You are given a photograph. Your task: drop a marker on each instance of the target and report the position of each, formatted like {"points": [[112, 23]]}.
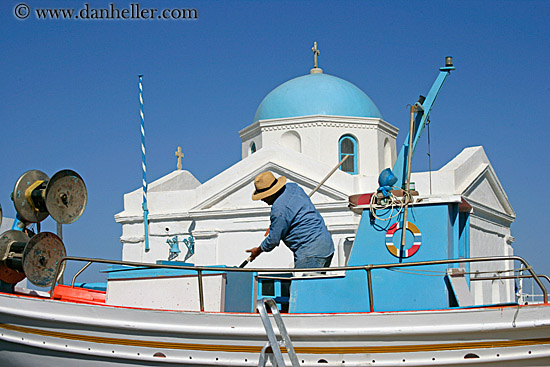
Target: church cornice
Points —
{"points": [[292, 123], [484, 212], [240, 213]]}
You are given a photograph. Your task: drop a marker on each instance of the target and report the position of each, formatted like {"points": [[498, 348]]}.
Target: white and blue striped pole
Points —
{"points": [[143, 166]]}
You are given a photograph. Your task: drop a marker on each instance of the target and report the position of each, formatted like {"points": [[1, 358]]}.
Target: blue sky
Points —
{"points": [[69, 96]]}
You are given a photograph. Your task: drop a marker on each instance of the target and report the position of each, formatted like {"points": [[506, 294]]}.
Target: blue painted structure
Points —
{"points": [[444, 236], [316, 94], [424, 109]]}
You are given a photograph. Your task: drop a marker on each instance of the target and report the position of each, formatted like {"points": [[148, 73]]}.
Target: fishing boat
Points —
{"points": [[405, 297]]}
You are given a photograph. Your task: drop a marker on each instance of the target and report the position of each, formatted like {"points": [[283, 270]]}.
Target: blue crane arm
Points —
{"points": [[400, 167]]}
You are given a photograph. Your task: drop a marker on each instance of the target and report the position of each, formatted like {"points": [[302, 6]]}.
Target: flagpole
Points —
{"points": [[143, 166]]}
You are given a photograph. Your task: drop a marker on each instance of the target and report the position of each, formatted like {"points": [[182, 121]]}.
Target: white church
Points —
{"points": [[301, 130]]}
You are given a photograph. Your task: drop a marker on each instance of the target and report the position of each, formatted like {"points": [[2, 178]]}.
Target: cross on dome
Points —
{"points": [[316, 52]]}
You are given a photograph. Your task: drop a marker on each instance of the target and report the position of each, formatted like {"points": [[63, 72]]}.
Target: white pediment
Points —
{"points": [[474, 178], [175, 181], [240, 195], [233, 188], [483, 192], [487, 191]]}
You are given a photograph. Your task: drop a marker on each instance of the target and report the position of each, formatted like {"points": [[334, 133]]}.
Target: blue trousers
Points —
{"points": [[313, 262]]}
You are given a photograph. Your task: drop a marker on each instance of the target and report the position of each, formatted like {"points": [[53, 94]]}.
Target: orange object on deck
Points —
{"points": [[78, 295]]}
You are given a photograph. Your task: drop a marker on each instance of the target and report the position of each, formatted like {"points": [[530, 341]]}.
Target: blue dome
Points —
{"points": [[316, 94]]}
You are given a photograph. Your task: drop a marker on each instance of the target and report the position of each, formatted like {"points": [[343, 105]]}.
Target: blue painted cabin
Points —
{"points": [[443, 233]]}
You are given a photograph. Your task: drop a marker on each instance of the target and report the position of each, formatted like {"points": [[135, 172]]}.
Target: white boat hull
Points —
{"points": [[39, 332]]}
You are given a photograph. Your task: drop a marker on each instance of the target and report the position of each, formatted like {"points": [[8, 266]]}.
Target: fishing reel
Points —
{"points": [[35, 258], [36, 196]]}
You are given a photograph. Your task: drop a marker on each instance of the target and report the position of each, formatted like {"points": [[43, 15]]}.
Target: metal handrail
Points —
{"points": [[511, 277], [368, 268]]}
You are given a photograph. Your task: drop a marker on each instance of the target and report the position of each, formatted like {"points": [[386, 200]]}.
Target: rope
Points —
{"points": [[429, 155], [438, 273], [393, 202], [497, 271]]}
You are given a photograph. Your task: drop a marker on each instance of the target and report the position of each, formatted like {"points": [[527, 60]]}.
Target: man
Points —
{"points": [[295, 221]]}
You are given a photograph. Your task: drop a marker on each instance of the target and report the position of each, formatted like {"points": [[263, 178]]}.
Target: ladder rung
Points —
{"points": [[277, 356]]}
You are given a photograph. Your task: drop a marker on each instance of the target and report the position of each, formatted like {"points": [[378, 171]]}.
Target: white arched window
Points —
{"points": [[387, 154], [292, 140], [347, 145]]}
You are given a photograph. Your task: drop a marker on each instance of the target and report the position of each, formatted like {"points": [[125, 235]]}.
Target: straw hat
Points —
{"points": [[266, 185]]}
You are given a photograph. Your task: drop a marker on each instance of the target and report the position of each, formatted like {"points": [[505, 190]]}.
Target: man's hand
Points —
{"points": [[254, 252]]}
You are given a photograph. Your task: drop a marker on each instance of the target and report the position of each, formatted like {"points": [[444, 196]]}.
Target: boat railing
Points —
{"points": [[200, 270]]}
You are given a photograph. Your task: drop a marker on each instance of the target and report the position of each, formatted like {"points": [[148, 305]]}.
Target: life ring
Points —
{"points": [[403, 253]]}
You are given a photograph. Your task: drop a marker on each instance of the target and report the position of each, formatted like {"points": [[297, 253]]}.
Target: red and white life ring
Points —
{"points": [[403, 253]]}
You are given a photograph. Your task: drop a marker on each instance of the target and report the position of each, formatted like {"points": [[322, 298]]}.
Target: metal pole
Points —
{"points": [[201, 292], [327, 176], [369, 280], [80, 272], [60, 230], [143, 167], [407, 183]]}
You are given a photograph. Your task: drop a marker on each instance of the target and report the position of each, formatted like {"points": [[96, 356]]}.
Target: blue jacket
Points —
{"points": [[296, 222]]}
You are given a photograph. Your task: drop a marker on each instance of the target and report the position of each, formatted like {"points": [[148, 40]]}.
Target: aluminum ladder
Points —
{"points": [[276, 356]]}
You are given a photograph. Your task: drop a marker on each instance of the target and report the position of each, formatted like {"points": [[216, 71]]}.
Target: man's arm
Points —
{"points": [[277, 229]]}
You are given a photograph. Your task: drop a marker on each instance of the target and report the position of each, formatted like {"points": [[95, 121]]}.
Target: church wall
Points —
{"points": [[388, 159], [470, 175], [488, 238], [247, 145], [250, 134], [292, 140], [318, 137], [222, 236], [132, 251], [387, 149], [321, 144]]}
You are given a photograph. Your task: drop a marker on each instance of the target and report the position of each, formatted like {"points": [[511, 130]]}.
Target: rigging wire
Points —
{"points": [[429, 155]]}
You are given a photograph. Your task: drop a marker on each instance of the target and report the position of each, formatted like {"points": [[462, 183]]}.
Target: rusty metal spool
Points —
{"points": [[35, 258], [28, 197], [12, 246], [41, 256], [36, 196], [66, 196]]}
